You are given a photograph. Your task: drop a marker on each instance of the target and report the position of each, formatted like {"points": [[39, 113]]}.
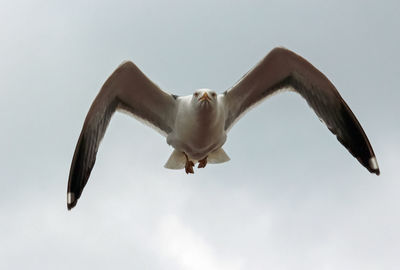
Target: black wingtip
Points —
{"points": [[71, 205], [71, 200], [373, 166], [375, 171]]}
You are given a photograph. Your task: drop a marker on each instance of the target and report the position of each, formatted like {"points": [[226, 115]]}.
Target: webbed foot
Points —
{"points": [[189, 165], [202, 163]]}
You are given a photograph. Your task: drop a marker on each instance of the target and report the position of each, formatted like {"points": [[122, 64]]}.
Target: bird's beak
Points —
{"points": [[205, 97]]}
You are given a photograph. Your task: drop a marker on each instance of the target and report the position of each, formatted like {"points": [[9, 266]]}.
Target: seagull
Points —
{"points": [[196, 125]]}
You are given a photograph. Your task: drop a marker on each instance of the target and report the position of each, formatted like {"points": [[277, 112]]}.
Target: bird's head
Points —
{"points": [[204, 99]]}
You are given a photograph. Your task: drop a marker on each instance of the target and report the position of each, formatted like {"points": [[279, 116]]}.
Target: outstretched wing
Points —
{"points": [[281, 69], [127, 89]]}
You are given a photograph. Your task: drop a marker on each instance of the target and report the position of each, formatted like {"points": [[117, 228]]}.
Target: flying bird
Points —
{"points": [[196, 125]]}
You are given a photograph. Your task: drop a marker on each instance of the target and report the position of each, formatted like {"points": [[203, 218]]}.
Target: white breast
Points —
{"points": [[197, 132]]}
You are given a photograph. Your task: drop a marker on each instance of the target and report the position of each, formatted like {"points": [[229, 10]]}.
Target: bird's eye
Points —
{"points": [[213, 94], [196, 94]]}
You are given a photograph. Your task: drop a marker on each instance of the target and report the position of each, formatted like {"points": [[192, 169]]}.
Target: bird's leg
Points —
{"points": [[189, 165], [202, 162]]}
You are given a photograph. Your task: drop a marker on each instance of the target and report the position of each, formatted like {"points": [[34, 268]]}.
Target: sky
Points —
{"points": [[291, 197]]}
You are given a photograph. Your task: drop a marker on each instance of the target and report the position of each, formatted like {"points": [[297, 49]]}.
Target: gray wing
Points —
{"points": [[281, 69], [127, 89]]}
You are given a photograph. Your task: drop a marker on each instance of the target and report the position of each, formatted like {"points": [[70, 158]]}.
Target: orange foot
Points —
{"points": [[189, 165], [202, 163]]}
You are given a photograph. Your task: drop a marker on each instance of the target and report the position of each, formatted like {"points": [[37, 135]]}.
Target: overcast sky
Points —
{"points": [[291, 197]]}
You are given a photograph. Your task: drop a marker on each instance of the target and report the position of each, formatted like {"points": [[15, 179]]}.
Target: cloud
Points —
{"points": [[290, 198], [179, 242]]}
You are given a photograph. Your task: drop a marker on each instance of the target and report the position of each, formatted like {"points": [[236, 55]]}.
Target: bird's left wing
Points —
{"points": [[281, 69], [127, 89]]}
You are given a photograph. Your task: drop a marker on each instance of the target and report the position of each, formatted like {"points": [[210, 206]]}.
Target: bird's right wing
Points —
{"points": [[127, 89]]}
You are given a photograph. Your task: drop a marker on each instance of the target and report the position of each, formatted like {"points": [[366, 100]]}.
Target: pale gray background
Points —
{"points": [[291, 197]]}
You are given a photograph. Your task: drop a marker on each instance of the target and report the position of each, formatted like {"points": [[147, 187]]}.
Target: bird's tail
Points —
{"points": [[176, 161], [218, 156]]}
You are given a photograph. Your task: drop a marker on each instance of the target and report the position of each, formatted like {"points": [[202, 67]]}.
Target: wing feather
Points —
{"points": [[127, 89], [282, 69]]}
